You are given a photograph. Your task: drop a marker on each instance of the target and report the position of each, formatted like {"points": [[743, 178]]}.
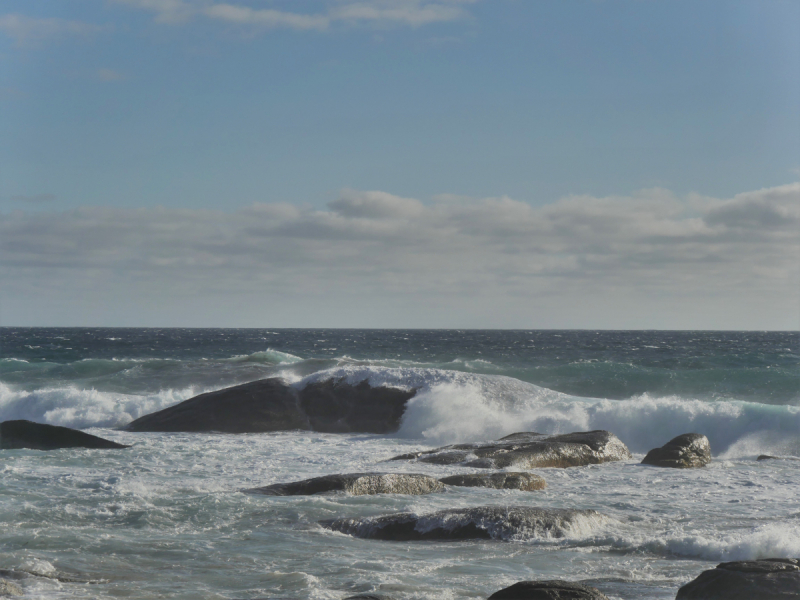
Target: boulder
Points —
{"points": [[548, 590], [687, 451], [369, 597], [486, 522], [9, 589], [356, 484], [527, 482], [529, 450], [38, 436], [767, 579], [331, 406]]}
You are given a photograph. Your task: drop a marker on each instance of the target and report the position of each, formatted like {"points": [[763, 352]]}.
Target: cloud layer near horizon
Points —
{"points": [[374, 248]]}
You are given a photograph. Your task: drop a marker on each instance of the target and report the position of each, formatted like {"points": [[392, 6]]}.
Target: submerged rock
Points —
{"points": [[527, 482], [548, 590], [9, 589], [767, 579], [486, 522], [687, 451], [38, 436], [528, 450], [770, 457], [331, 406], [357, 484]]}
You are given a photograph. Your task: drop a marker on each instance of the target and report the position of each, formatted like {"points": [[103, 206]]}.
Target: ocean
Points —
{"points": [[167, 518]]}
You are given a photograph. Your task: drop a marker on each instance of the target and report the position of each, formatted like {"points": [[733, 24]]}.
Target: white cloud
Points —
{"points": [[412, 13], [27, 30]]}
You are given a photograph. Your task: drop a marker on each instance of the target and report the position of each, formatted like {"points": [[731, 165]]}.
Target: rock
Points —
{"points": [[9, 589], [369, 597], [548, 590], [527, 482], [356, 484], [530, 450], [770, 457], [486, 522], [331, 406], [687, 451], [38, 436], [767, 579]]}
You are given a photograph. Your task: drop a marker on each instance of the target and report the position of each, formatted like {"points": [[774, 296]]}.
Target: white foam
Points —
{"points": [[78, 408]]}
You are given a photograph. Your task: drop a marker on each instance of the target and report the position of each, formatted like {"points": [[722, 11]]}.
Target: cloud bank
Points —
{"points": [[596, 261], [412, 13]]}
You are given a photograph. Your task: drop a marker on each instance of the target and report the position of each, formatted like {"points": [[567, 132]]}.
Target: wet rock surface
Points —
{"points": [[770, 457], [8, 588], [486, 522], [356, 484], [548, 590], [526, 482], [331, 406], [21, 434], [528, 450], [687, 451], [767, 579]]}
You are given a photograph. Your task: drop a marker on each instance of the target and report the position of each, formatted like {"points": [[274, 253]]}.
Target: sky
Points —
{"points": [[600, 164]]}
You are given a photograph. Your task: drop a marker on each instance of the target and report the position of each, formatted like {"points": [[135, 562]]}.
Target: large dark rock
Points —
{"points": [[530, 450], [486, 522], [687, 451], [38, 436], [768, 579], [527, 482], [357, 484], [331, 406], [548, 590]]}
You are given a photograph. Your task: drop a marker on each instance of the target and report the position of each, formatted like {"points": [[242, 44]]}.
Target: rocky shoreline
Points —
{"points": [[335, 406]]}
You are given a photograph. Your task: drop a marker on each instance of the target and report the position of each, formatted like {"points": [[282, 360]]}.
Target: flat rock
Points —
{"points": [[21, 434], [9, 589], [548, 590], [527, 482], [767, 579], [331, 406], [687, 451], [770, 457], [529, 450], [356, 484], [486, 522]]}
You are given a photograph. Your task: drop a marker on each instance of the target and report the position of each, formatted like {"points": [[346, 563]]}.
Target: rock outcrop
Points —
{"points": [[9, 589], [687, 451], [356, 484], [768, 579], [331, 406], [486, 522], [527, 482], [38, 436], [529, 450], [548, 590]]}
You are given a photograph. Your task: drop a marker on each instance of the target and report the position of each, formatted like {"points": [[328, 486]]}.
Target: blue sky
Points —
{"points": [[212, 107]]}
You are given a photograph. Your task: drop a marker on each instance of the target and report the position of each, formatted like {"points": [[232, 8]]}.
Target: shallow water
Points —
{"points": [[165, 518]]}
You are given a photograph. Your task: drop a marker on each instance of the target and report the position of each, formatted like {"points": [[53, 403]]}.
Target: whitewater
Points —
{"points": [[167, 518]]}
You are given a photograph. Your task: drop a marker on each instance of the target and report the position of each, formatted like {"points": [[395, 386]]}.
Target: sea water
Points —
{"points": [[166, 517]]}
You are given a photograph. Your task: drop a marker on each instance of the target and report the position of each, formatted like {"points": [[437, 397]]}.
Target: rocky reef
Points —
{"points": [[485, 522], [356, 484], [687, 451], [330, 406], [528, 450], [38, 436], [767, 579]]}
